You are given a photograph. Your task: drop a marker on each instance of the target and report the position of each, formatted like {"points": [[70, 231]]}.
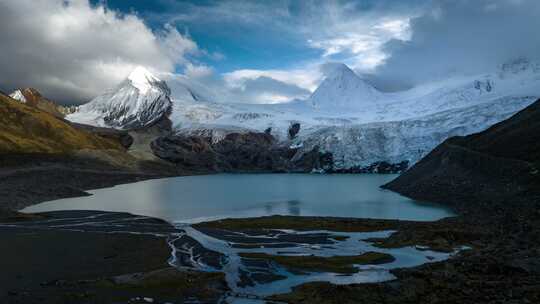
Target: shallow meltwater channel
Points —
{"points": [[249, 272], [192, 199], [262, 262]]}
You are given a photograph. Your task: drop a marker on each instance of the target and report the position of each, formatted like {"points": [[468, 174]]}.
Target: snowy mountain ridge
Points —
{"points": [[357, 123]]}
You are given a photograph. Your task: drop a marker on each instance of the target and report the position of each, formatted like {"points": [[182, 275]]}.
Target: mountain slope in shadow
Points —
{"points": [[501, 163]]}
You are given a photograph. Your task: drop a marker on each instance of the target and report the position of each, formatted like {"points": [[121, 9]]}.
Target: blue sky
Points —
{"points": [[266, 35], [235, 44]]}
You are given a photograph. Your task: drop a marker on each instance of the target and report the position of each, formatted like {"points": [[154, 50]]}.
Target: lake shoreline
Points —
{"points": [[27, 180], [186, 199], [471, 227]]}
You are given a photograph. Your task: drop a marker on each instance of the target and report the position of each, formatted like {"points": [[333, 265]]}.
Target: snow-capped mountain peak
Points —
{"points": [[342, 88], [341, 70], [143, 79], [138, 101]]}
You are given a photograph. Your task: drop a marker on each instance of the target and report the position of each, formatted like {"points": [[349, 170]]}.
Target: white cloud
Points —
{"points": [[307, 78], [72, 51], [464, 36], [253, 88], [176, 45], [265, 89], [350, 31], [360, 42], [272, 98], [198, 71]]}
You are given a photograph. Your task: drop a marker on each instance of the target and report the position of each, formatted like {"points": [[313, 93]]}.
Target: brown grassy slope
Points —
{"points": [[25, 129]]}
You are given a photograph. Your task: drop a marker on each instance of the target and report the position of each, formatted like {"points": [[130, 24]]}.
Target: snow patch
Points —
{"points": [[18, 95]]}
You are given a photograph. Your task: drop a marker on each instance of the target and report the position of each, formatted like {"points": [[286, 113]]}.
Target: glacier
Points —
{"points": [[345, 115]]}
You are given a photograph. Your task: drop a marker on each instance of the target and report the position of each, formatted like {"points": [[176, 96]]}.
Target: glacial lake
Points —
{"points": [[191, 199]]}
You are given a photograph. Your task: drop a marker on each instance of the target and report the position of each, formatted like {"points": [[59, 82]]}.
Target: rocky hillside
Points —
{"points": [[497, 164], [25, 129], [31, 97], [238, 152]]}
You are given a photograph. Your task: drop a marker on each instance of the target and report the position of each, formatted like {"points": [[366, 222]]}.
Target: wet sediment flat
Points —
{"points": [[94, 257], [90, 256]]}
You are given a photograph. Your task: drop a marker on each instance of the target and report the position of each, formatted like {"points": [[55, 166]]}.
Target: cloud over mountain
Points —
{"points": [[466, 37], [71, 50]]}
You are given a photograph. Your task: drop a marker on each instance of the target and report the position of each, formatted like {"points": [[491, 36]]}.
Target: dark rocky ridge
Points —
{"points": [[377, 167], [500, 163], [238, 152], [253, 152], [121, 136]]}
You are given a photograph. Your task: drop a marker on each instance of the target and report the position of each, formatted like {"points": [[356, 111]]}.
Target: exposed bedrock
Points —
{"points": [[121, 136], [293, 130], [377, 167], [239, 152]]}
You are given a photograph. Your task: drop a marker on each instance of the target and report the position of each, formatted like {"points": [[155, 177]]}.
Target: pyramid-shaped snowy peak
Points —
{"points": [[140, 100], [343, 89]]}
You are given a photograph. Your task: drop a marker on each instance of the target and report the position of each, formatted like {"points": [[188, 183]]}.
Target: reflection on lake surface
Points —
{"points": [[196, 198]]}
